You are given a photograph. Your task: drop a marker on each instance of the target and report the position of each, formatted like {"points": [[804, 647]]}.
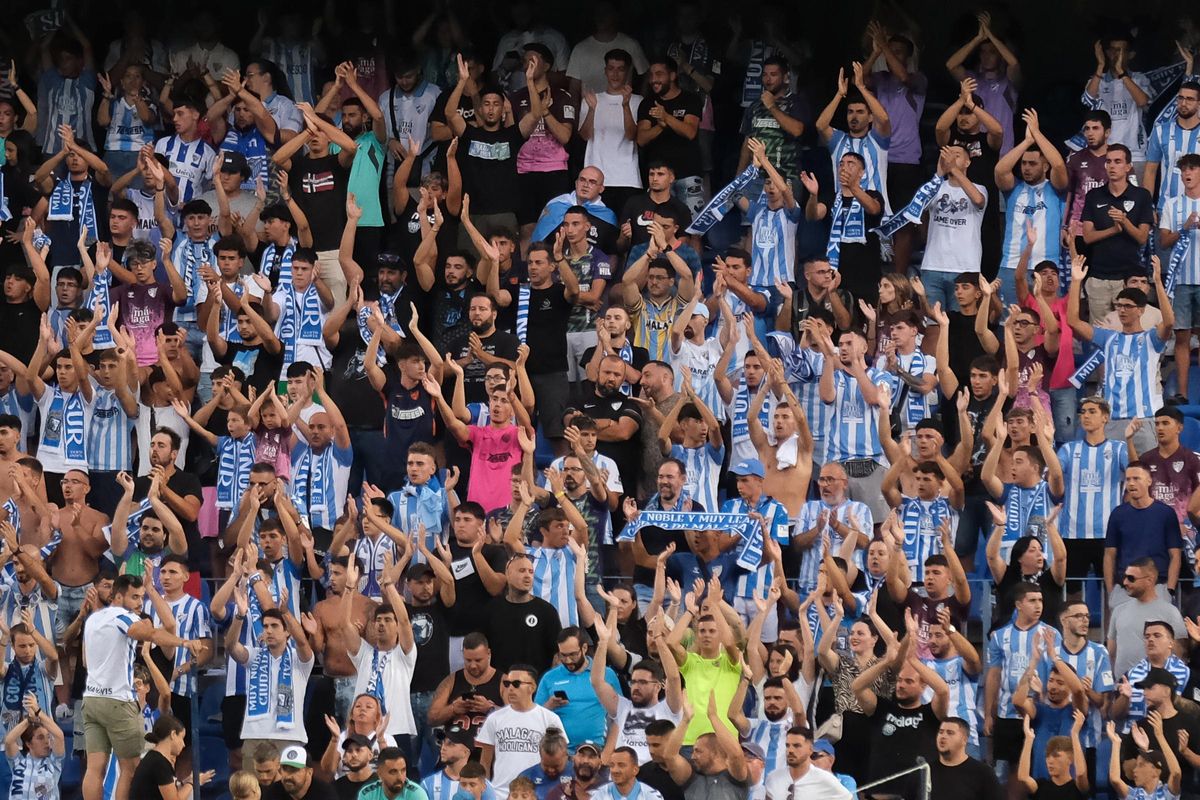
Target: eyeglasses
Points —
{"points": [[1080, 615], [640, 682], [1124, 306], [71, 481], [1022, 323], [512, 684]]}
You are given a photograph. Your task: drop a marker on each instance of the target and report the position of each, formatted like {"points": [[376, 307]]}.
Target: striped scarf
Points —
{"points": [[1026, 512], [300, 323], [69, 413], [374, 687], [1159, 79], [14, 512], [234, 459], [280, 273], [918, 522], [101, 284], [913, 400], [912, 212], [1176, 262], [188, 257], [849, 225], [1093, 362], [63, 200], [312, 475], [259, 690]]}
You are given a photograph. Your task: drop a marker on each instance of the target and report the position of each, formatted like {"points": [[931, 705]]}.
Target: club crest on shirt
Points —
{"points": [[1177, 466], [1129, 204], [531, 621]]}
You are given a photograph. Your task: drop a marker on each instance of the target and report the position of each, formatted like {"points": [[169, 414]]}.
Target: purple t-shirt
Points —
{"points": [[1085, 171], [904, 105], [1173, 478], [143, 307], [999, 99]]}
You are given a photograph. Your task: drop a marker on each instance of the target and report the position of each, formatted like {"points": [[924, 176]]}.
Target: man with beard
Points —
{"points": [[248, 129], [487, 155], [954, 774], [775, 119], [799, 776], [717, 767], [355, 765], [553, 767], [393, 782], [1178, 222], [158, 531], [1085, 171], [485, 345], [464, 698], [409, 415], [329, 635], [521, 627], [359, 115], [1171, 139], [453, 755], [624, 772], [593, 270], [646, 702], [618, 419], [781, 707], [834, 515], [868, 130], [954, 658], [667, 127], [296, 779], [589, 775], [505, 737], [567, 689], [648, 542], [613, 337], [448, 290], [431, 585]]}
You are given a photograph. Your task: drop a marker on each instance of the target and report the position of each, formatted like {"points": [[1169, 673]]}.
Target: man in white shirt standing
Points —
{"points": [[112, 722], [609, 127], [800, 778], [509, 738], [953, 245]]}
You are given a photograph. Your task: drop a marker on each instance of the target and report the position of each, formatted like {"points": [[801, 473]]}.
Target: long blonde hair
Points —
{"points": [[244, 786]]}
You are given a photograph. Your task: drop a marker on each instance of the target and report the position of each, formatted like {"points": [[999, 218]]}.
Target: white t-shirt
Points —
{"points": [[816, 784], [587, 61], [267, 727], [631, 724], [954, 243], [608, 150], [109, 652], [515, 736], [397, 678]]}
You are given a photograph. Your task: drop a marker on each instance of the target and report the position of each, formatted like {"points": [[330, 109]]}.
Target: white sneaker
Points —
{"points": [[62, 712]]}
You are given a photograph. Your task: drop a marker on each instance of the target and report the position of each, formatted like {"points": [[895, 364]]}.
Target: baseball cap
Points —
{"points": [[541, 49], [700, 310], [1157, 676], [294, 757], [823, 746], [459, 735], [589, 744], [751, 466], [1046, 266], [356, 739], [234, 162], [754, 750]]}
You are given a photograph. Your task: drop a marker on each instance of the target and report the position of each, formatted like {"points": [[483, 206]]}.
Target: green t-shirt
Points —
{"points": [[365, 172], [703, 676]]}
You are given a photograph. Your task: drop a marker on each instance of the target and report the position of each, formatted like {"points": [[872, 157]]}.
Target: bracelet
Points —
{"points": [[239, 616]]}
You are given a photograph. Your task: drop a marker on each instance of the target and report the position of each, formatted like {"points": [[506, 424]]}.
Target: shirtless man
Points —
{"points": [[788, 462], [329, 637]]}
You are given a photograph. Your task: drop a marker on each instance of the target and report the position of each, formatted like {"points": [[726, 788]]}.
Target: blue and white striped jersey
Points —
{"points": [[738, 414], [1174, 216], [1132, 385], [772, 242], [1168, 141], [851, 513], [772, 738], [921, 521], [192, 621], [190, 162], [1137, 700], [1044, 206], [703, 471], [1091, 662], [297, 61], [1010, 649], [964, 690], [756, 583], [874, 150], [554, 580], [109, 433], [127, 132], [854, 423], [1093, 476], [20, 406]]}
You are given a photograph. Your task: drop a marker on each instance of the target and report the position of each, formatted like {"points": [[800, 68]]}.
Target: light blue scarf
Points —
{"points": [[849, 225], [69, 411], [63, 202], [300, 323], [523, 312], [379, 662], [722, 201], [235, 457], [912, 212], [259, 689], [284, 278], [101, 284]]}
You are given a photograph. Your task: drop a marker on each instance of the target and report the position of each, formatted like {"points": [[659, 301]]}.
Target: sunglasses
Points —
{"points": [[1127, 578], [512, 684]]}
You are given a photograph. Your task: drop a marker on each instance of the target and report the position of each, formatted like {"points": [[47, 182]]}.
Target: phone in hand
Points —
{"points": [[560, 694]]}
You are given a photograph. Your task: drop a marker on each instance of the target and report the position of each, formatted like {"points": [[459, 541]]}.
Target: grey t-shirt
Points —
{"points": [[1126, 624]]}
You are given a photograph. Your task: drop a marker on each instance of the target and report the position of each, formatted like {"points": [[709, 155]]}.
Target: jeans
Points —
{"points": [[1008, 286], [1064, 405], [424, 738], [939, 288]]}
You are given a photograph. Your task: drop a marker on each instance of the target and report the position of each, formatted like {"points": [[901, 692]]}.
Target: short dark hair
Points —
{"points": [[960, 723], [176, 558], [777, 61], [391, 754], [471, 508], [671, 64], [1022, 590], [124, 204], [617, 54], [660, 727], [176, 442], [1122, 148], [123, 583], [227, 243], [801, 730], [1101, 116]]}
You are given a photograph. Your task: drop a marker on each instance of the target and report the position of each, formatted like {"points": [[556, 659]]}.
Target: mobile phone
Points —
{"points": [[471, 695], [560, 694]]}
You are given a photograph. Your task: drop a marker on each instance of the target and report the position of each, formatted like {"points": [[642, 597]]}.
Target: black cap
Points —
{"points": [[232, 161], [541, 50], [459, 735], [1157, 676], [357, 739]]}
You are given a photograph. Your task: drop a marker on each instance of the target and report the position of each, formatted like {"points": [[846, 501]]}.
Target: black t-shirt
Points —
{"points": [[1119, 256], [488, 160], [431, 632], [20, 323], [657, 777], [153, 772], [21, 198], [683, 155], [549, 309], [470, 596], [183, 484], [522, 633], [347, 379], [627, 454], [261, 366], [447, 322], [405, 235], [501, 345], [347, 789], [638, 358], [898, 736], [860, 264], [317, 790], [466, 110], [966, 346], [1047, 790], [319, 186], [970, 779], [639, 213]]}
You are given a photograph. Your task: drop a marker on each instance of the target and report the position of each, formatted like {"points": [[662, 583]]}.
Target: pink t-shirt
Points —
{"points": [[494, 452], [1064, 362], [274, 447]]}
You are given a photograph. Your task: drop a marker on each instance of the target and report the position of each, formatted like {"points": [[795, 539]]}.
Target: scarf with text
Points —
{"points": [[749, 549], [923, 518], [259, 689], [65, 420], [849, 225], [523, 312], [101, 284], [312, 480], [188, 257], [374, 687], [911, 213], [1160, 80], [277, 264], [1026, 511], [66, 197], [300, 322], [1093, 362], [235, 457], [722, 201]]}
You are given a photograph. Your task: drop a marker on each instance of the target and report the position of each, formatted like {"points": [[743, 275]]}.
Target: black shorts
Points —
{"points": [[537, 189], [903, 180], [1008, 737], [233, 714], [181, 707]]}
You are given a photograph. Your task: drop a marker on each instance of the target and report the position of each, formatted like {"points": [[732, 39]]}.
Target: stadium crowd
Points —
{"points": [[385, 415]]}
